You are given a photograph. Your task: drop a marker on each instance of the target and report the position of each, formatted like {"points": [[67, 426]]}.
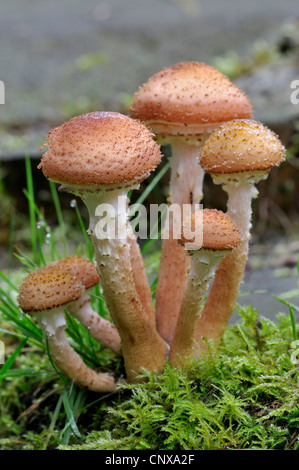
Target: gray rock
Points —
{"points": [[269, 89]]}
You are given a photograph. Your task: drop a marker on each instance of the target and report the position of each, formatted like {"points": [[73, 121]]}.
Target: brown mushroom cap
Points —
{"points": [[83, 269], [100, 148], [219, 231], [47, 288], [189, 93], [241, 145]]}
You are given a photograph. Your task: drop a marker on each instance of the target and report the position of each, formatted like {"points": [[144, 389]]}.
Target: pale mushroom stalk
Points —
{"points": [[186, 175], [186, 181], [92, 200], [239, 204], [237, 155], [66, 359], [219, 236], [202, 268], [99, 328], [139, 338], [136, 261], [230, 271], [140, 276]]}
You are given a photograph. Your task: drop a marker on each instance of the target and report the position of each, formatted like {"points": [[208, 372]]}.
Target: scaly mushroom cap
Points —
{"points": [[241, 145], [189, 93], [100, 148], [218, 231], [83, 269], [47, 288]]}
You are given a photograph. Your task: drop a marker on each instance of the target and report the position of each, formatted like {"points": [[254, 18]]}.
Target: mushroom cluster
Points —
{"points": [[183, 104], [102, 156]]}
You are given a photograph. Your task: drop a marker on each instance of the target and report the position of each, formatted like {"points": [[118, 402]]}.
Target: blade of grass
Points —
{"points": [[86, 237], [152, 184], [291, 308], [11, 359], [71, 409], [42, 220], [59, 216], [22, 323], [86, 351], [12, 226], [24, 373], [293, 322], [32, 336], [285, 302], [151, 240], [41, 234], [25, 260], [32, 218], [53, 422], [8, 282], [99, 301]]}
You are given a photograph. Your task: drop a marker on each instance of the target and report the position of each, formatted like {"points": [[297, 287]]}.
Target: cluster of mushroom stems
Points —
{"points": [[100, 157]]}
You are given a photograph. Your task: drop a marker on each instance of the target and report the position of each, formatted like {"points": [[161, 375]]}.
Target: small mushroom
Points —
{"points": [[44, 294], [219, 236], [99, 157], [99, 328], [182, 105], [237, 155]]}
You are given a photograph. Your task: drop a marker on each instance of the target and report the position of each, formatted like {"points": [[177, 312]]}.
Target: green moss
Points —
{"points": [[245, 396]]}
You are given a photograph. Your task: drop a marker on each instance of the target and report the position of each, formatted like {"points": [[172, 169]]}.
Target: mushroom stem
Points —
{"points": [[202, 268], [141, 344], [230, 271], [186, 180], [239, 206], [186, 175], [140, 276], [66, 359], [99, 328], [121, 225]]}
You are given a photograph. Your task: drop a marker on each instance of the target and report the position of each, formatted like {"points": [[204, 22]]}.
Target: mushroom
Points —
{"points": [[44, 294], [99, 328], [65, 141], [219, 236], [99, 157], [182, 105], [237, 155]]}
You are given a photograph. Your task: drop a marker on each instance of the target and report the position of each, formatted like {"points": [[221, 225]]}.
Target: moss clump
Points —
{"points": [[245, 396]]}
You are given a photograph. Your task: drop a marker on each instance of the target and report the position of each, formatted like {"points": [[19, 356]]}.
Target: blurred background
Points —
{"points": [[59, 59]]}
